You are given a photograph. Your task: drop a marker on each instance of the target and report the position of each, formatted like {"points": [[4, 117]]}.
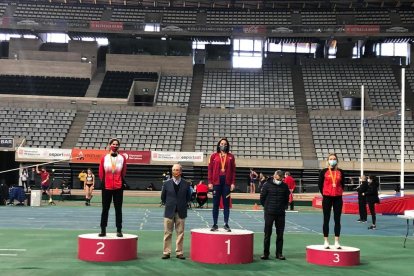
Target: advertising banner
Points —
{"points": [[42, 154], [137, 157], [362, 29], [106, 25], [171, 156], [92, 156]]}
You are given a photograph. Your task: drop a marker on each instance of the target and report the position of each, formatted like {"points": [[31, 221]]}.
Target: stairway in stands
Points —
{"points": [[76, 127], [96, 82], [302, 115], [193, 111]]}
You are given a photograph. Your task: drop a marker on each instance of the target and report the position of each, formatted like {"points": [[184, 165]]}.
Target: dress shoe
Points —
{"points": [[264, 257], [214, 228], [102, 234], [165, 256], [181, 257], [281, 257]]}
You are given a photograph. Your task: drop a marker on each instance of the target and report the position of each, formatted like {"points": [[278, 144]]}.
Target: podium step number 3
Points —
{"points": [[346, 256]]}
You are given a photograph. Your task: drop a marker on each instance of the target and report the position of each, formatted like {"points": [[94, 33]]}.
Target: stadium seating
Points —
{"points": [[43, 86], [341, 134], [3, 7], [248, 17], [318, 17], [251, 136], [407, 16], [41, 127], [174, 91], [118, 84], [324, 82], [53, 11], [271, 87], [410, 77], [179, 17], [161, 131]]}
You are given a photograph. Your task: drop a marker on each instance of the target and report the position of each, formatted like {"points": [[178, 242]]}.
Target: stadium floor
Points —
{"points": [[43, 241]]}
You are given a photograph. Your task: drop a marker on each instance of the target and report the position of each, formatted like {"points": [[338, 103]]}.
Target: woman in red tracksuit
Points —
{"points": [[221, 177], [112, 170], [331, 185]]}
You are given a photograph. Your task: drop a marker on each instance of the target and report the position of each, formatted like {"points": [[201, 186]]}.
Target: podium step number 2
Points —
{"points": [[107, 249]]}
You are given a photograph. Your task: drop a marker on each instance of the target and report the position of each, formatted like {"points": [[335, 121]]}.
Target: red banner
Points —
{"points": [[92, 156], [137, 157], [106, 25], [362, 29]]}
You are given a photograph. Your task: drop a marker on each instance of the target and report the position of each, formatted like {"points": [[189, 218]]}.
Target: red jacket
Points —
{"points": [[112, 170], [214, 168], [290, 182], [326, 186]]}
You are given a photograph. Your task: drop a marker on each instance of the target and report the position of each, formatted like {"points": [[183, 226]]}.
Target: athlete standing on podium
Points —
{"points": [[331, 185], [112, 170], [221, 179]]}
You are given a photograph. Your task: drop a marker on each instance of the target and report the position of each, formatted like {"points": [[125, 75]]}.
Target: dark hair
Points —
{"points": [[114, 139], [228, 145]]}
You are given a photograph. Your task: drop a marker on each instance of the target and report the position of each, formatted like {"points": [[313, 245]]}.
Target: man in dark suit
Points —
{"points": [[175, 195]]}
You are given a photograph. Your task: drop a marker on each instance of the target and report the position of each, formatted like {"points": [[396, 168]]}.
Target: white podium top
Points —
{"points": [[406, 216], [332, 248], [109, 236], [409, 213], [221, 231]]}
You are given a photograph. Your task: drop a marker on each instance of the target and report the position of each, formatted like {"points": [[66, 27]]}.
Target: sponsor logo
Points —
{"points": [[281, 30], [396, 30], [172, 29], [27, 22]]}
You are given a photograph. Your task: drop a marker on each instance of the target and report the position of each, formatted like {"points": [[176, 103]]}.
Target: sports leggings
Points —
{"points": [[329, 202]]}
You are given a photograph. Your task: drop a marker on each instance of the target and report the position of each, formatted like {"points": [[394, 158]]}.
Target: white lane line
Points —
{"points": [[12, 255], [12, 249]]}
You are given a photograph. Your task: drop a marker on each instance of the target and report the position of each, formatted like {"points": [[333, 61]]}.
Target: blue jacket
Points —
{"points": [[175, 202]]}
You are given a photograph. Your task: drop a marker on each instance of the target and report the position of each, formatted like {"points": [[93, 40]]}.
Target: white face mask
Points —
{"points": [[332, 163], [277, 182]]}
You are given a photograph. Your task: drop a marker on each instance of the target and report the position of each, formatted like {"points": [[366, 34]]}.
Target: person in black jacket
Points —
{"points": [[372, 198], [362, 199], [175, 195], [274, 197]]}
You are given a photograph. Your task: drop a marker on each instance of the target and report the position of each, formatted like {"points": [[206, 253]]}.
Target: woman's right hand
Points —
{"points": [[210, 186]]}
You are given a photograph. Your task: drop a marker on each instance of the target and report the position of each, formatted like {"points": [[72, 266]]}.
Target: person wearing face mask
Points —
{"points": [[112, 171], [362, 199], [372, 198], [274, 197], [221, 179], [175, 195], [331, 186]]}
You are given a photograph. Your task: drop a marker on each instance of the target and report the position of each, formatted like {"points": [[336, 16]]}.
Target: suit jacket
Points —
{"points": [[175, 202]]}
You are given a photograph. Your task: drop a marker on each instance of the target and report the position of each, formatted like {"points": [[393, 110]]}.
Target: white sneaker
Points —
{"points": [[326, 245], [337, 245]]}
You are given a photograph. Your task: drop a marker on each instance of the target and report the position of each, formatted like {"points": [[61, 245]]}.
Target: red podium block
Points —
{"points": [[346, 256], [221, 247], [107, 249]]}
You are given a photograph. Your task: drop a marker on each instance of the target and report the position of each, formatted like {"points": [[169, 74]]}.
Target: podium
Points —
{"points": [[221, 247], [346, 256], [93, 248]]}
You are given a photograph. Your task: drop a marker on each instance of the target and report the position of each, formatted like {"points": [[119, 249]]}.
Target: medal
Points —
{"points": [[333, 178], [223, 161]]}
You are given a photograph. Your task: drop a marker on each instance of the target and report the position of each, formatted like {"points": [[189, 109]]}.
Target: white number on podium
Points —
{"points": [[336, 260], [99, 251], [228, 246]]}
